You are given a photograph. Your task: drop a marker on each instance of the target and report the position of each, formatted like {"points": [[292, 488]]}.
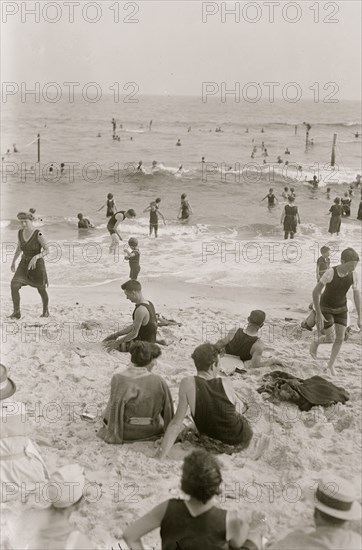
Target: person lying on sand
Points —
{"points": [[213, 404], [144, 398], [246, 344], [195, 522], [335, 504], [144, 326]]}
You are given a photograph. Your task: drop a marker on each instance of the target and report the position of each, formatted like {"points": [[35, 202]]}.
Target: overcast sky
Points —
{"points": [[171, 50]]}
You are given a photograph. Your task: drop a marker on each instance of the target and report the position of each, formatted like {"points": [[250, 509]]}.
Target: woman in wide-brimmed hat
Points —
{"points": [[31, 269], [21, 465]]}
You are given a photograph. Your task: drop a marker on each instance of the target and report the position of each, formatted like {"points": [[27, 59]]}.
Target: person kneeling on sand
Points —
{"points": [[140, 406], [195, 522], [144, 326], [212, 402], [21, 464], [50, 528], [334, 505], [246, 344]]}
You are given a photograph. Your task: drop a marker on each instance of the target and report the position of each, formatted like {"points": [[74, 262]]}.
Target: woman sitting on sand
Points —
{"points": [[140, 406], [196, 522], [335, 222], [31, 269]]}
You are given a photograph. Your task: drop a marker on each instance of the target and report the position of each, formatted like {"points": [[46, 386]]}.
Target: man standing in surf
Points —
{"points": [[113, 224], [331, 305]]}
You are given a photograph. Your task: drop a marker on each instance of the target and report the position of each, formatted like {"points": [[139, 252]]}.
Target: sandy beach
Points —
{"points": [[62, 369]]}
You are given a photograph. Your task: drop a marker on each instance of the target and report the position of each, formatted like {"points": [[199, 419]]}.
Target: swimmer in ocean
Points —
{"points": [[328, 192], [84, 223], [178, 142], [285, 193], [139, 167], [185, 208], [271, 198], [180, 169]]}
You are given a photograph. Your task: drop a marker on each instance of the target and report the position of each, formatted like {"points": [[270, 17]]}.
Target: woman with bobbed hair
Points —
{"points": [[194, 524], [140, 406]]}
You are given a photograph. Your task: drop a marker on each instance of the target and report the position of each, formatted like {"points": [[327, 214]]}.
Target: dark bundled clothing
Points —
{"points": [[306, 394], [181, 531], [216, 417], [241, 345], [36, 277]]}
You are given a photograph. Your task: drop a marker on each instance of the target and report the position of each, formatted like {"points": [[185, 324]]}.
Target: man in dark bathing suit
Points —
{"points": [[246, 344], [144, 326], [213, 404], [113, 224], [331, 305]]}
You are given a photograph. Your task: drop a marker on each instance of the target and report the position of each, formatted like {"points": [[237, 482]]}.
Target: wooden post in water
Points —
{"points": [[38, 147], [333, 158]]}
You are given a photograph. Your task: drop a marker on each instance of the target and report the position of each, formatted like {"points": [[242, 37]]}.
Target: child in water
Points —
{"points": [[132, 255], [111, 206]]}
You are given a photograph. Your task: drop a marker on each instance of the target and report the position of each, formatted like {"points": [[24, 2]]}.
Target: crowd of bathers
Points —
{"points": [[140, 408]]}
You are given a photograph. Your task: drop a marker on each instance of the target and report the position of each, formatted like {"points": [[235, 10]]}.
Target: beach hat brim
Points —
{"points": [[353, 513], [9, 390]]}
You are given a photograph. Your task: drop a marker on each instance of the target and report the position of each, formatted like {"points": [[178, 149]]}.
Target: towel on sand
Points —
{"points": [[306, 394]]}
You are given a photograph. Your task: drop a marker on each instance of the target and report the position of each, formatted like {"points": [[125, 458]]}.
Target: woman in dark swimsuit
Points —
{"points": [[346, 205], [335, 222], [31, 269], [111, 206], [185, 209], [290, 218]]}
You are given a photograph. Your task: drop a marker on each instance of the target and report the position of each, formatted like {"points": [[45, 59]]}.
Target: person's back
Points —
{"points": [[147, 333], [335, 292], [113, 220], [84, 224], [241, 345], [215, 415], [145, 400], [180, 529]]}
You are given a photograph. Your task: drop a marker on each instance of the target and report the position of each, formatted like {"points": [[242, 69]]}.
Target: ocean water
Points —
{"points": [[232, 239]]}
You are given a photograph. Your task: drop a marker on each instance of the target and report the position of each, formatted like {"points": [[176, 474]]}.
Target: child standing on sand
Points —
{"points": [[132, 255]]}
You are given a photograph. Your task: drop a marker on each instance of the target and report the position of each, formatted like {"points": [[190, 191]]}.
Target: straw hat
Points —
{"points": [[336, 497], [7, 386]]}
